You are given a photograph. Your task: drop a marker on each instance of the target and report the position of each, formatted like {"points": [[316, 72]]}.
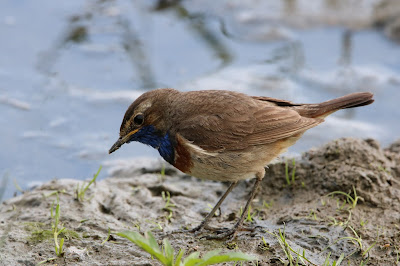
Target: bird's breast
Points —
{"points": [[183, 158]]}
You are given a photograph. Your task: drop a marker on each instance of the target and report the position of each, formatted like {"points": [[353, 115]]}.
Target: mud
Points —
{"points": [[131, 199]]}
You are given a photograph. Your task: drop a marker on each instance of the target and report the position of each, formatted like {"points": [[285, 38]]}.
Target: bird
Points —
{"points": [[223, 135]]}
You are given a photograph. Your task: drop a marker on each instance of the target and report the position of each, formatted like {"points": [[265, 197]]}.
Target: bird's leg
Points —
{"points": [[206, 220], [232, 232], [216, 207]]}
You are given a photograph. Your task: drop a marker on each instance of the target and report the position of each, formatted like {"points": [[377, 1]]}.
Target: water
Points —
{"points": [[69, 70]]}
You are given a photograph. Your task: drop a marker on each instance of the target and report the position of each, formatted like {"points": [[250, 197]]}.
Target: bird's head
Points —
{"points": [[144, 121]]}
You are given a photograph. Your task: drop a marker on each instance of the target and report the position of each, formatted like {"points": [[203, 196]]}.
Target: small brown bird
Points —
{"points": [[223, 135]]}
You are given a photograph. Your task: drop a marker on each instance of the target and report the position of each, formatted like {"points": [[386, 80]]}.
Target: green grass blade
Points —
{"points": [[148, 244], [169, 252], [178, 260], [210, 259], [192, 259], [339, 261]]}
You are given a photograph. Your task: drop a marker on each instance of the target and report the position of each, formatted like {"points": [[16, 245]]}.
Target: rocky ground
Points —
{"points": [[362, 225]]}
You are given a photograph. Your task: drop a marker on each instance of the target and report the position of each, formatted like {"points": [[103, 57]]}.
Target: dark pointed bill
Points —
{"points": [[122, 140], [116, 145]]}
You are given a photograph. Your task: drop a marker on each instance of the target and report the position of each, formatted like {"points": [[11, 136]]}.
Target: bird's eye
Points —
{"points": [[138, 120]]}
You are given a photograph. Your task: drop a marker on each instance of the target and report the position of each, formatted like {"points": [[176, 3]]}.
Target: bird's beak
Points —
{"points": [[121, 141], [116, 145]]}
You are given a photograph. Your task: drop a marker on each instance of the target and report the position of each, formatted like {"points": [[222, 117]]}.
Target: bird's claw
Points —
{"points": [[222, 234]]}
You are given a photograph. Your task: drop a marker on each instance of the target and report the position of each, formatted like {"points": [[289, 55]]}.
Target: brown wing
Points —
{"points": [[217, 132], [240, 122], [275, 123]]}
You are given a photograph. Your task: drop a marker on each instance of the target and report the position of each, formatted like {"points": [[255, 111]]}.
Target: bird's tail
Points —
{"points": [[321, 110]]}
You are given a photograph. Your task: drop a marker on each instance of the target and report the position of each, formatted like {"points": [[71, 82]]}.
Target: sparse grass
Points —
{"points": [[358, 242], [166, 196], [57, 230], [288, 250], [56, 192], [250, 215], [17, 186], [55, 215], [313, 215], [363, 222], [352, 200], [290, 180], [209, 207], [335, 222], [335, 262], [323, 202], [108, 237], [383, 169], [267, 204], [264, 245], [166, 254], [347, 205], [157, 224], [162, 173], [81, 189]]}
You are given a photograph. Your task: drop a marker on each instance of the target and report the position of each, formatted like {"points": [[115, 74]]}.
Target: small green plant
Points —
{"points": [[264, 245], [57, 230], [323, 202], [81, 189], [335, 262], [162, 173], [356, 240], [166, 196], [349, 199], [267, 204], [363, 222], [250, 215], [157, 224], [335, 222], [290, 179], [383, 169], [166, 254], [108, 237], [17, 186], [55, 215], [313, 215], [288, 250]]}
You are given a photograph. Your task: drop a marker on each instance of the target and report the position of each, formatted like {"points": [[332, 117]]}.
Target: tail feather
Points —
{"points": [[324, 109]]}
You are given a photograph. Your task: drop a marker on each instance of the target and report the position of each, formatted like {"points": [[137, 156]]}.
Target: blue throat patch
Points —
{"points": [[149, 135]]}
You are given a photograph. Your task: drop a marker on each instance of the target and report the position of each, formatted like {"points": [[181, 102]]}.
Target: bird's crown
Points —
{"points": [[146, 110]]}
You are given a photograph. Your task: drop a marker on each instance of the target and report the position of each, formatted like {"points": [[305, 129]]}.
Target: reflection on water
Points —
{"points": [[68, 73]]}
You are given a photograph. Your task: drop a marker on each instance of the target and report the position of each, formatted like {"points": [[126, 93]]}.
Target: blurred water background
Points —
{"points": [[69, 70]]}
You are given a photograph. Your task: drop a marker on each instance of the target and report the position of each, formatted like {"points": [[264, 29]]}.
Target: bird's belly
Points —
{"points": [[223, 166], [232, 165], [227, 165]]}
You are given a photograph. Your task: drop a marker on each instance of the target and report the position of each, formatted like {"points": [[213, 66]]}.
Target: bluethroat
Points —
{"points": [[223, 135]]}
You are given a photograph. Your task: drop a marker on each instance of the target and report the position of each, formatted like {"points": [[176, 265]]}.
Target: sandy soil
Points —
{"points": [[131, 199]]}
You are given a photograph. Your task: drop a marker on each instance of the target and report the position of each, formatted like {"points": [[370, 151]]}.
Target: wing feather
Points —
{"points": [[234, 123]]}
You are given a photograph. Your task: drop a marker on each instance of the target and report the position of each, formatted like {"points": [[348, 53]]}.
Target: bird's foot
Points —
{"points": [[223, 233], [196, 230], [220, 233]]}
